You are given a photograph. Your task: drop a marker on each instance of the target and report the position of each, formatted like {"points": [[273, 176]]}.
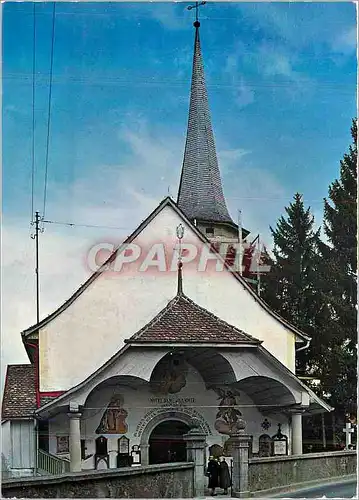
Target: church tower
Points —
{"points": [[200, 194]]}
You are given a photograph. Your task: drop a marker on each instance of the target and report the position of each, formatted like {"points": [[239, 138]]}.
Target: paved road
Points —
{"points": [[345, 489]]}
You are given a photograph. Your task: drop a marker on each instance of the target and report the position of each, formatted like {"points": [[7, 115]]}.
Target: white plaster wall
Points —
{"points": [[58, 426], [137, 403], [114, 307]]}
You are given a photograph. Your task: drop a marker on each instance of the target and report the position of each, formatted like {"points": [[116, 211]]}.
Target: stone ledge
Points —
{"points": [[297, 487], [96, 474], [304, 456]]}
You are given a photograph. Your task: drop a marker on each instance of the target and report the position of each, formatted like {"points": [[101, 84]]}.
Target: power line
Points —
{"points": [[49, 109], [151, 81], [33, 117], [73, 224]]}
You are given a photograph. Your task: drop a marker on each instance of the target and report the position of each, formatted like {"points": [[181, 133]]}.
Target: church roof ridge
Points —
{"points": [[171, 323], [200, 193]]}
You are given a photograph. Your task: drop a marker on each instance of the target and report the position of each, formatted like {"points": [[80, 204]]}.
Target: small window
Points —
{"points": [[210, 230]]}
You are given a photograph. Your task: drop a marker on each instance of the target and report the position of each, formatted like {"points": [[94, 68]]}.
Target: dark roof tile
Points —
{"points": [[182, 320], [19, 399]]}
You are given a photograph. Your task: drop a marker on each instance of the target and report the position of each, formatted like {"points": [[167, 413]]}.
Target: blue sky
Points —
{"points": [[281, 80]]}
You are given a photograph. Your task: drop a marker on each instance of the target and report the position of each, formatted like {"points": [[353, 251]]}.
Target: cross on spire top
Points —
{"points": [[196, 24]]}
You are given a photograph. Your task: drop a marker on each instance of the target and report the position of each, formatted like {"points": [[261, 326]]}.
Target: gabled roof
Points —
{"points": [[182, 320], [19, 399], [166, 202], [200, 194]]}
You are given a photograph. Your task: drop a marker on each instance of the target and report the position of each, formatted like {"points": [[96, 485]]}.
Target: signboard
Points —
{"points": [[280, 443], [136, 454], [62, 444], [265, 446], [280, 447], [123, 445]]}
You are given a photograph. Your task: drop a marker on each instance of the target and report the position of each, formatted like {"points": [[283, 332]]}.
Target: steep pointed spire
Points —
{"points": [[200, 194]]}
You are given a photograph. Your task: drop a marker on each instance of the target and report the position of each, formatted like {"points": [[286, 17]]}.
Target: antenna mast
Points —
{"points": [[258, 267], [35, 237]]}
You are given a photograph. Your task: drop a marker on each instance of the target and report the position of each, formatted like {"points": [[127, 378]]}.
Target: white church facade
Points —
{"points": [[142, 353]]}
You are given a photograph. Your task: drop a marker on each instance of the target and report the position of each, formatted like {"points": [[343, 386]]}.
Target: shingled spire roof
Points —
{"points": [[200, 193]]}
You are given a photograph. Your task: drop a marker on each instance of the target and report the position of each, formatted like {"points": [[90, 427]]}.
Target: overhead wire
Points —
{"points": [[119, 80], [49, 109], [73, 224], [33, 114]]}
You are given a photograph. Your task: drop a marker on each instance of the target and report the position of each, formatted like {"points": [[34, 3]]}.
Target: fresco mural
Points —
{"points": [[170, 376], [228, 418], [113, 420]]}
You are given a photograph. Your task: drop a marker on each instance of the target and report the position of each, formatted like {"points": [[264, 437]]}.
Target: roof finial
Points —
{"points": [[196, 24], [180, 233]]}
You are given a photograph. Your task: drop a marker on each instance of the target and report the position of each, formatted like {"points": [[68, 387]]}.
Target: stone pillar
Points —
{"points": [[196, 444], [239, 447], [112, 452], [75, 442], [145, 449], [297, 442]]}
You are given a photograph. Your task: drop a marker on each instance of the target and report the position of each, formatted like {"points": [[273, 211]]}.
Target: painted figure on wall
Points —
{"points": [[113, 420], [62, 444], [228, 418], [169, 376]]}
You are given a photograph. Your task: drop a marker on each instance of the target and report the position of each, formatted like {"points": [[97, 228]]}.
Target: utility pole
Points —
{"points": [[35, 237], [258, 268]]}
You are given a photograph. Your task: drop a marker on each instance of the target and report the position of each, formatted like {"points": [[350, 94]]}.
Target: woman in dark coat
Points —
{"points": [[213, 475], [224, 476]]}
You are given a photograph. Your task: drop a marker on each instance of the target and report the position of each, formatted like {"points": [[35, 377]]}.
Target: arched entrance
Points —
{"points": [[167, 415], [166, 442]]}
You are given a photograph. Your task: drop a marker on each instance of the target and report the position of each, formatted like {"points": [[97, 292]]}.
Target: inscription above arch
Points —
{"points": [[154, 417]]}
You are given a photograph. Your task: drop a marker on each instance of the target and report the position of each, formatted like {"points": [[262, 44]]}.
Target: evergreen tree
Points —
{"points": [[290, 286], [339, 283]]}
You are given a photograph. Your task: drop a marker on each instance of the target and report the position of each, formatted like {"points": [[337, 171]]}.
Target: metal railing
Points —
{"points": [[51, 464]]}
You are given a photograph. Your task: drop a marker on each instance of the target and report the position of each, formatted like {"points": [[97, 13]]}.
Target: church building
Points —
{"points": [[159, 341]]}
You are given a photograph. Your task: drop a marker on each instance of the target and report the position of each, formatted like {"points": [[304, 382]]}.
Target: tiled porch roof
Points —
{"points": [[182, 320], [19, 399]]}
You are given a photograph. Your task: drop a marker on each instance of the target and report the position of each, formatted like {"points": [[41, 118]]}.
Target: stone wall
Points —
{"points": [[284, 473], [152, 481]]}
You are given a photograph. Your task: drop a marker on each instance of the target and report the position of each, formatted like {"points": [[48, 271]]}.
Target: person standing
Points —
{"points": [[213, 475], [224, 476]]}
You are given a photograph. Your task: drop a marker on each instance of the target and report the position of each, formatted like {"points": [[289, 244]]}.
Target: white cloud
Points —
{"points": [[300, 24], [276, 64], [243, 94], [259, 195], [231, 154], [169, 16], [346, 41], [273, 61]]}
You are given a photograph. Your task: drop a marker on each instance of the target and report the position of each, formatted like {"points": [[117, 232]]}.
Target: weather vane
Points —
{"points": [[196, 6]]}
